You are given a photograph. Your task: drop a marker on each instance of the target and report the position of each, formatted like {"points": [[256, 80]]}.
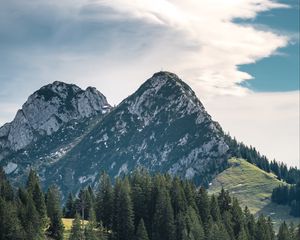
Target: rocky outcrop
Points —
{"points": [[47, 110]]}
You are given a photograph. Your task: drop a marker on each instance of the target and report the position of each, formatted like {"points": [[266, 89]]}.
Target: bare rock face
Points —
{"points": [[47, 110]]}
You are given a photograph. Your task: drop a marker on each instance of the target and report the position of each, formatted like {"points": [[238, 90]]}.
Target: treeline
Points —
{"points": [[138, 207], [144, 207], [238, 149], [288, 195]]}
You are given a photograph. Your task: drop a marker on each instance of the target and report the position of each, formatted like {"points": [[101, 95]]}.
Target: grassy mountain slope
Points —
{"points": [[253, 187]]}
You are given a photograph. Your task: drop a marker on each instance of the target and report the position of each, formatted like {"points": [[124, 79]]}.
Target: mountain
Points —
{"points": [[161, 127], [253, 188], [46, 112]]}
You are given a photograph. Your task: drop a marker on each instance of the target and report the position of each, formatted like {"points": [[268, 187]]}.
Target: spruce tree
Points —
{"points": [[237, 217], [218, 232], [76, 231], [90, 232], [33, 187], [283, 233], [163, 222], [224, 201], [242, 235], [31, 220], [104, 202], [70, 209], [141, 232], [123, 226], [194, 226], [10, 226], [249, 224], [202, 201], [56, 227], [214, 209]]}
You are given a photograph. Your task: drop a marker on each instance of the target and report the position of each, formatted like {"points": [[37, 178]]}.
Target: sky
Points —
{"points": [[241, 57]]}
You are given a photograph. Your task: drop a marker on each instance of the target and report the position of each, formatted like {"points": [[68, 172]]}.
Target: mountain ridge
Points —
{"points": [[162, 127], [46, 110]]}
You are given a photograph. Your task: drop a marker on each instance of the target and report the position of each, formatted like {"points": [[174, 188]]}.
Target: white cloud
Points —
{"points": [[267, 121]]}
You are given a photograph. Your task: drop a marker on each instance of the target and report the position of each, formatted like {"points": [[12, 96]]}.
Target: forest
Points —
{"points": [[288, 195], [137, 207]]}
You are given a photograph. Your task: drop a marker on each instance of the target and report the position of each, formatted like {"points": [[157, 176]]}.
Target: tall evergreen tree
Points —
{"points": [[237, 218], [33, 187], [163, 222], [202, 201], [141, 232], [214, 209], [89, 230], [10, 226], [218, 232], [76, 230], [123, 226], [194, 226], [56, 227], [283, 233], [104, 201], [70, 209]]}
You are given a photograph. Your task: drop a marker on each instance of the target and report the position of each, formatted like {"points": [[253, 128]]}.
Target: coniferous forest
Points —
{"points": [[288, 195], [137, 207]]}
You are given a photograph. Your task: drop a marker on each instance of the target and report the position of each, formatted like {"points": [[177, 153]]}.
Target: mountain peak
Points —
{"points": [[47, 109]]}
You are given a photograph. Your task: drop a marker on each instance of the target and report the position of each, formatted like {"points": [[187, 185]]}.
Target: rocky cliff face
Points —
{"points": [[47, 110], [162, 127]]}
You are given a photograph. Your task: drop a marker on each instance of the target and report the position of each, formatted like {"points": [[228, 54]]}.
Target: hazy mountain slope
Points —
{"points": [[253, 187]]}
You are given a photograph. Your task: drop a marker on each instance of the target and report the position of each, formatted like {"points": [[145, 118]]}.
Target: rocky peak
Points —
{"points": [[47, 109], [165, 93]]}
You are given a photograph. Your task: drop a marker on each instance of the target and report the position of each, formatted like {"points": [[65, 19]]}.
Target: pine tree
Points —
{"points": [[76, 231], [237, 217], [177, 197], [56, 227], [89, 231], [227, 221], [141, 196], [194, 227], [202, 201], [10, 226], [104, 201], [218, 232], [6, 190], [249, 224], [224, 201], [163, 222], [33, 187], [242, 235], [70, 209], [123, 226], [31, 221], [283, 233], [262, 229], [214, 209], [141, 232]]}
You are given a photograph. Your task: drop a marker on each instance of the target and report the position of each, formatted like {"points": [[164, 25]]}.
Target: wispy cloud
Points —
{"points": [[89, 39]]}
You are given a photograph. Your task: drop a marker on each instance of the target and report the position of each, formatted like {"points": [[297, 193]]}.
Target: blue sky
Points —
{"points": [[235, 54], [279, 72]]}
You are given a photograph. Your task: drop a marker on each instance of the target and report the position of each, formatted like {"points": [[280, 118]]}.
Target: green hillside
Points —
{"points": [[253, 187]]}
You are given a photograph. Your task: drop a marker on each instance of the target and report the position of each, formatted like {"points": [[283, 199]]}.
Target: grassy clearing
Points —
{"points": [[68, 225], [253, 187]]}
